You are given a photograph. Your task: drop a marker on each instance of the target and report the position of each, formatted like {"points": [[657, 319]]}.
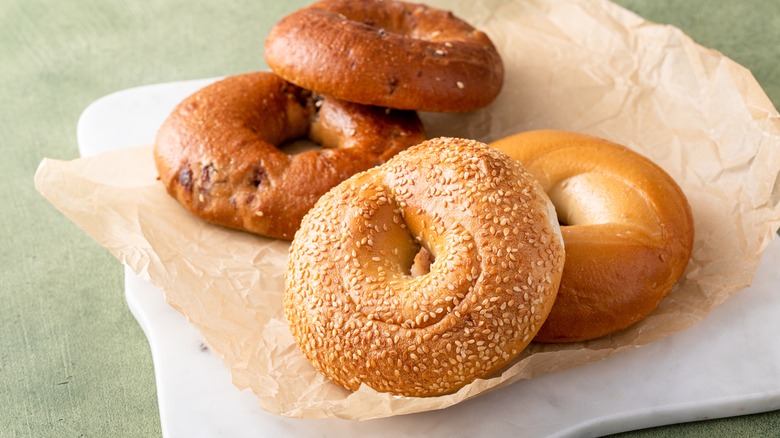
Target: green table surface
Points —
{"points": [[73, 360]]}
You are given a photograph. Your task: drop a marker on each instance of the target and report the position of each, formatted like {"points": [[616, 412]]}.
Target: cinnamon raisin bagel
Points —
{"points": [[387, 53], [359, 316], [626, 224], [217, 152]]}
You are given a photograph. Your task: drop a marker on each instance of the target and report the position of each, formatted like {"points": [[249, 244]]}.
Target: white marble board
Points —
{"points": [[727, 365]]}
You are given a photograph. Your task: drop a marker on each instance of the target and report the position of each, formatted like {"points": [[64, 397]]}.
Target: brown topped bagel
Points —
{"points": [[387, 53], [626, 224], [359, 315], [217, 152]]}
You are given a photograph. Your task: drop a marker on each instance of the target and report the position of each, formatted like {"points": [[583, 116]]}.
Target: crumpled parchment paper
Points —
{"points": [[587, 66]]}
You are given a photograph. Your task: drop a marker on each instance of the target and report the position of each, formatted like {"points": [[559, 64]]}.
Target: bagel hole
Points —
{"points": [[298, 146], [422, 262]]}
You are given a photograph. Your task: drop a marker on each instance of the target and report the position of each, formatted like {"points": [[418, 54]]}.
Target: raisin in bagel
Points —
{"points": [[627, 227], [217, 152], [387, 53], [360, 317]]}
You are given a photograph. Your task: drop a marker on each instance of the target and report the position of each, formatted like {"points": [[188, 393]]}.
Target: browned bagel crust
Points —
{"points": [[628, 230], [360, 317], [217, 151], [387, 53]]}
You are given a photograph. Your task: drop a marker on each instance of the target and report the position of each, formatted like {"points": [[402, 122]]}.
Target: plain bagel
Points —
{"points": [[217, 152], [626, 224], [358, 314], [387, 53]]}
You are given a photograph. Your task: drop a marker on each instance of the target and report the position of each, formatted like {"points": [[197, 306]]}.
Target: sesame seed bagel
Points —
{"points": [[387, 53], [358, 314], [627, 226], [217, 152]]}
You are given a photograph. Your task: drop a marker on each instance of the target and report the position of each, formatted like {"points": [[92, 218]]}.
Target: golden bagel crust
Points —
{"points": [[626, 224], [387, 53], [217, 151], [359, 316]]}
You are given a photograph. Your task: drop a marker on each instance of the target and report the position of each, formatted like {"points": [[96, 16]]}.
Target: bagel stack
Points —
{"points": [[350, 76], [417, 266]]}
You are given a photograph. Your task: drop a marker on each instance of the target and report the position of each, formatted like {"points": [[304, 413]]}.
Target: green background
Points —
{"points": [[73, 361]]}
